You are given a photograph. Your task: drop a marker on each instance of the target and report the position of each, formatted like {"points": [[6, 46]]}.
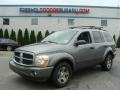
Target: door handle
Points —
{"points": [[92, 48]]}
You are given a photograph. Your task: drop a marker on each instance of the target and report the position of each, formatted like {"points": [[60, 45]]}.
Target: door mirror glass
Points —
{"points": [[80, 42]]}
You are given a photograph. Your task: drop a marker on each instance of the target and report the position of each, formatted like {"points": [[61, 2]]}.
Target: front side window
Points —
{"points": [[61, 37], [98, 38], [85, 36], [34, 21], [6, 21]]}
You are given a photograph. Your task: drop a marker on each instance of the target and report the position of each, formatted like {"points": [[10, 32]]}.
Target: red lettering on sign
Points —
{"points": [[84, 10]]}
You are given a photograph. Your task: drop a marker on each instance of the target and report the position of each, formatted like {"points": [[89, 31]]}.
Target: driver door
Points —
{"points": [[85, 53]]}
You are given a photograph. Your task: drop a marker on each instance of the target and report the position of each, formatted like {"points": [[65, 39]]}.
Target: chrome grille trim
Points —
{"points": [[22, 58], [21, 63]]}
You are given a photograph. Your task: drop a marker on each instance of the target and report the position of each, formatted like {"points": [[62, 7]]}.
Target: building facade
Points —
{"points": [[58, 17]]}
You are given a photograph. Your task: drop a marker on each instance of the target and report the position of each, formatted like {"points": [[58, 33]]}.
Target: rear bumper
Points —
{"points": [[33, 73]]}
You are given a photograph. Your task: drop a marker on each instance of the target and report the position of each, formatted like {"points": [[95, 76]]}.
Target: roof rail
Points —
{"points": [[87, 27]]}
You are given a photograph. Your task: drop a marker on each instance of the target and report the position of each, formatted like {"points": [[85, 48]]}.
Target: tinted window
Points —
{"points": [[85, 36], [11, 41], [4, 41], [7, 41], [108, 37], [34, 21], [6, 21], [97, 37], [103, 22], [70, 21]]}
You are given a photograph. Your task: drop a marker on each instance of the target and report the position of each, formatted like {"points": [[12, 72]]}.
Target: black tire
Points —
{"points": [[107, 64], [61, 74], [9, 48]]}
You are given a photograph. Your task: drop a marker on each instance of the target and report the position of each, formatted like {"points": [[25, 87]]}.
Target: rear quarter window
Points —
{"points": [[108, 37]]}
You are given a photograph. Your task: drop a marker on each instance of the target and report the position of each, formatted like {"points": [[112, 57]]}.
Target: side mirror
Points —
{"points": [[80, 42]]}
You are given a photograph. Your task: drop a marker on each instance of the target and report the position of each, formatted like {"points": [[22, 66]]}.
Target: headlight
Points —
{"points": [[42, 61]]}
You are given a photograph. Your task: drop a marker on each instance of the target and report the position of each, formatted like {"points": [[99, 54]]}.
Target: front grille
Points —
{"points": [[27, 56], [24, 58], [17, 59], [17, 54], [28, 62]]}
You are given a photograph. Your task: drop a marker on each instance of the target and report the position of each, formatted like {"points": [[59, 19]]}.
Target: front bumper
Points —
{"points": [[33, 73]]}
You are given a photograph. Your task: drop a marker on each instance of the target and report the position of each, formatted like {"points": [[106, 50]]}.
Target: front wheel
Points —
{"points": [[107, 65], [61, 74]]}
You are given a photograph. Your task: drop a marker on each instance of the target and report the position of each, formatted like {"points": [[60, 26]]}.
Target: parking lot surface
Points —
{"points": [[88, 79]]}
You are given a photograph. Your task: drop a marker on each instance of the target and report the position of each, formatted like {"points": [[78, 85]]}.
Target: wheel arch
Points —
{"points": [[62, 57], [109, 51], [67, 60]]}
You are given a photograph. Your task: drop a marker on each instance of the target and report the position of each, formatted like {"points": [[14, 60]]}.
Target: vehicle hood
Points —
{"points": [[41, 48]]}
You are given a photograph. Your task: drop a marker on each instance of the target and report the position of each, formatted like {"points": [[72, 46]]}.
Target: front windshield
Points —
{"points": [[62, 37]]}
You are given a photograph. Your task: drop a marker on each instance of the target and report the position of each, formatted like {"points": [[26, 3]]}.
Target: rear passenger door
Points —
{"points": [[99, 45], [109, 40]]}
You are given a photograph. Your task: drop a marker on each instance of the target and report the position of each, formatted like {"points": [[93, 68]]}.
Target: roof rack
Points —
{"points": [[87, 27]]}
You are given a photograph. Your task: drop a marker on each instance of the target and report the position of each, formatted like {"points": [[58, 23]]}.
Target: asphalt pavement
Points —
{"points": [[88, 79]]}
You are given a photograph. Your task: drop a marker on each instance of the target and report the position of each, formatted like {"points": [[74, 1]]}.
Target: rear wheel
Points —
{"points": [[61, 74], [107, 65], [9, 48]]}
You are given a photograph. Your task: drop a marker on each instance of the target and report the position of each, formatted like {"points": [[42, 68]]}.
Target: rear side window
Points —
{"points": [[108, 37], [98, 38], [11, 41]]}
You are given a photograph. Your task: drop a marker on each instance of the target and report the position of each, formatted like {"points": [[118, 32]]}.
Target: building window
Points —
{"points": [[103, 22], [6, 21], [70, 21], [49, 14], [34, 21]]}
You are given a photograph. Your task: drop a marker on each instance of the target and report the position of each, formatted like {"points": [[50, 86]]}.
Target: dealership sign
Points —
{"points": [[54, 10]]}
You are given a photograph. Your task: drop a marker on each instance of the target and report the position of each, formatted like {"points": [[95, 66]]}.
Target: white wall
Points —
{"points": [[94, 11], [17, 19], [55, 24]]}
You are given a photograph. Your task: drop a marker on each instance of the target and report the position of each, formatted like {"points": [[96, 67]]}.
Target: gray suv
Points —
{"points": [[60, 54]]}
